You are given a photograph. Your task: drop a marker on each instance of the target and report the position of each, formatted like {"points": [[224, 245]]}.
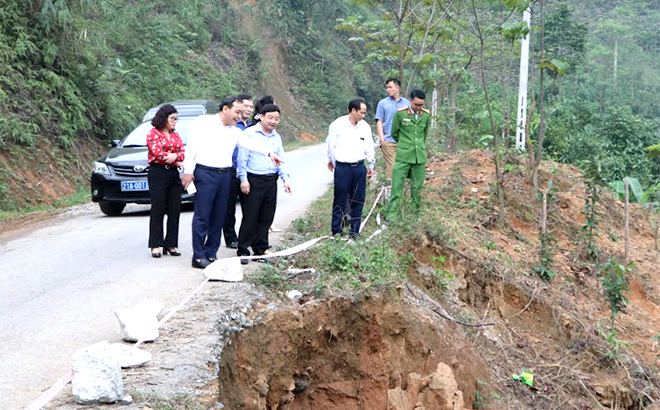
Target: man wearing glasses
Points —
{"points": [[208, 162], [410, 127], [229, 228]]}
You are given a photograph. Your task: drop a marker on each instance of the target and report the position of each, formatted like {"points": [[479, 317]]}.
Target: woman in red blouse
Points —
{"points": [[166, 154]]}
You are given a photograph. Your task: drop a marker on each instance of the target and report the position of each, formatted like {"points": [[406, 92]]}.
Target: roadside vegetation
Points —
{"points": [[587, 332], [81, 73]]}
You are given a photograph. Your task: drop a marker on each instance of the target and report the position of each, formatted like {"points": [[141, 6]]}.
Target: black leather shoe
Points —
{"points": [[174, 252], [155, 253], [233, 245], [200, 263], [244, 261], [212, 258]]}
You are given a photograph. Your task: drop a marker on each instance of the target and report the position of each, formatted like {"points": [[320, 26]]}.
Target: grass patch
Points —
{"points": [[81, 196]]}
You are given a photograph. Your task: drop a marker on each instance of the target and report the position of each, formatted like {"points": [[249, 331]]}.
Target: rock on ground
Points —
{"points": [[437, 391], [130, 356], [97, 375], [226, 270], [137, 325]]}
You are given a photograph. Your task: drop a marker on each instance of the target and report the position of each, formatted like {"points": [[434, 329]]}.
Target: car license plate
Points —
{"points": [[135, 186]]}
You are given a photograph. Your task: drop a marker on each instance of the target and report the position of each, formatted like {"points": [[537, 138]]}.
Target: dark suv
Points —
{"points": [[120, 177]]}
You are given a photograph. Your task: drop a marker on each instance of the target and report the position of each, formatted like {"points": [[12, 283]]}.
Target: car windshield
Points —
{"points": [[138, 137]]}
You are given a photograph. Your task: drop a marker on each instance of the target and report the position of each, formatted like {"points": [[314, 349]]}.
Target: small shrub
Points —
{"points": [[547, 241], [616, 282]]}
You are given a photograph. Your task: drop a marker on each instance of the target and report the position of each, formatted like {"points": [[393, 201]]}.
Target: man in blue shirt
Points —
{"points": [[385, 111], [259, 184], [229, 227]]}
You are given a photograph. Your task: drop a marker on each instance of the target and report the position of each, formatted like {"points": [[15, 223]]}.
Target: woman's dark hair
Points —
{"points": [[355, 104], [418, 94], [160, 119], [269, 108], [261, 102]]}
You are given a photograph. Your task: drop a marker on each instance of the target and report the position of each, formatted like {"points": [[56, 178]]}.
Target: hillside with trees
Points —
{"points": [[533, 261], [78, 74]]}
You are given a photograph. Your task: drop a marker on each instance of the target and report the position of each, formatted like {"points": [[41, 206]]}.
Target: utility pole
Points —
{"points": [[522, 86]]}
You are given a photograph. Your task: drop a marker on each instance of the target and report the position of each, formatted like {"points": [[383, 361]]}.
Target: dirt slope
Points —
{"points": [[557, 329], [472, 264]]}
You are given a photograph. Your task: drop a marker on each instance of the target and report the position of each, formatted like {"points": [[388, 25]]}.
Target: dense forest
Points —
{"points": [[77, 71]]}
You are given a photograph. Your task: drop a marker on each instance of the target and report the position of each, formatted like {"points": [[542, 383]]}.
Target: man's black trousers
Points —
{"points": [[258, 214], [229, 228], [165, 193], [210, 210], [350, 186]]}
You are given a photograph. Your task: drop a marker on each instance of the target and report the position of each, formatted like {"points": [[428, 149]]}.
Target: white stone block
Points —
{"points": [[130, 356], [97, 375], [137, 325]]}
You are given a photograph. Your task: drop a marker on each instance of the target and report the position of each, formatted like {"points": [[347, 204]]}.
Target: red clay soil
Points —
{"points": [[341, 354], [557, 328], [338, 354], [43, 175], [307, 137]]}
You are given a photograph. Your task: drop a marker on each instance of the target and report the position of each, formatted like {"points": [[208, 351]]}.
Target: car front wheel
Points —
{"points": [[111, 208]]}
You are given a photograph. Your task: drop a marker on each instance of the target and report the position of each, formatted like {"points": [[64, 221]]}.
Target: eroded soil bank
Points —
{"points": [[339, 354]]}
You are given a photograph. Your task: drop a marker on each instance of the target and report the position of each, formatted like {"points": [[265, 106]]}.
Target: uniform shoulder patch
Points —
{"points": [[402, 109], [426, 111]]}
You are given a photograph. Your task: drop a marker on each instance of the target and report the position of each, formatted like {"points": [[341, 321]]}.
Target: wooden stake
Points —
{"points": [[544, 214], [657, 223], [627, 223], [654, 225]]}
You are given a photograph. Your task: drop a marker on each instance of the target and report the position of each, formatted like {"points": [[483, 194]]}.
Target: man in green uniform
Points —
{"points": [[409, 129]]}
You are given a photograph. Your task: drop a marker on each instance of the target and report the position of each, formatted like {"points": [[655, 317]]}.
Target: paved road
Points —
{"points": [[61, 282]]}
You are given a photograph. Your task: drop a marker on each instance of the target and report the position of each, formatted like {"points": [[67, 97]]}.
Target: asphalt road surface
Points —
{"points": [[61, 281]]}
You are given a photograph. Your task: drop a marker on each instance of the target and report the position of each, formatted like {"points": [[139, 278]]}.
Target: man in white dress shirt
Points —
{"points": [[349, 144], [209, 163]]}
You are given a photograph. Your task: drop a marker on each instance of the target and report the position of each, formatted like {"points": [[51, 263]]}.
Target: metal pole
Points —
{"points": [[522, 87]]}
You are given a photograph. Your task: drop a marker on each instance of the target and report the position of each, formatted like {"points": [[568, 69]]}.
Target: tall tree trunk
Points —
{"points": [[452, 108], [496, 137], [399, 27], [507, 102], [539, 148]]}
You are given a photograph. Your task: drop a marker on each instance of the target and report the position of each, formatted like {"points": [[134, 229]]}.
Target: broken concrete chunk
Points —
{"points": [[226, 270], [97, 375], [130, 356], [137, 325]]}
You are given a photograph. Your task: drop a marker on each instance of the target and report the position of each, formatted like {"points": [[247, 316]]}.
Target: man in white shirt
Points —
{"points": [[349, 144], [209, 163]]}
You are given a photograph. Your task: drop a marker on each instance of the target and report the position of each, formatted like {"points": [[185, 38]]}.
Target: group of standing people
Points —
{"points": [[228, 159], [233, 158], [402, 126]]}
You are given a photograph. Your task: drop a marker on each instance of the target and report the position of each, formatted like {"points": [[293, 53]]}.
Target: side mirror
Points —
{"points": [[114, 143]]}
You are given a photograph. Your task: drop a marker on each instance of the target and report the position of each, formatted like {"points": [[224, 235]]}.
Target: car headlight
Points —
{"points": [[101, 168]]}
